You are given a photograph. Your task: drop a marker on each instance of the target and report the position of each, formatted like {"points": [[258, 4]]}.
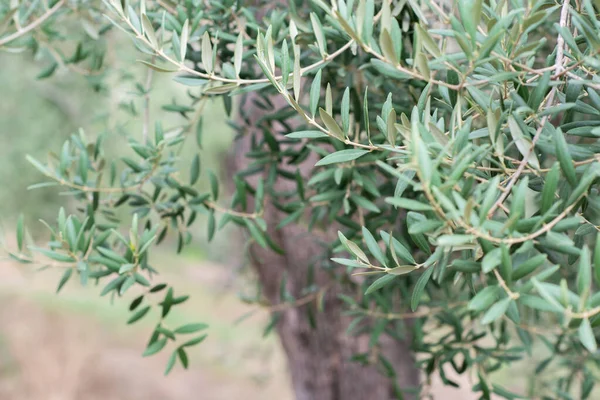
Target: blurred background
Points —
{"points": [[77, 345]]}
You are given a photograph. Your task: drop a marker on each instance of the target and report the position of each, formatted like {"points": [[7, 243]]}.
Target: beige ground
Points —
{"points": [[75, 346]]}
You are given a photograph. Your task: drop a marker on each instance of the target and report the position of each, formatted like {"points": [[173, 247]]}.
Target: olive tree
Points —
{"points": [[417, 181]]}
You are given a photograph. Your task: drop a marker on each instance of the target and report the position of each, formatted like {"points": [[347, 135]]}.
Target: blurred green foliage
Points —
{"points": [[58, 107]]}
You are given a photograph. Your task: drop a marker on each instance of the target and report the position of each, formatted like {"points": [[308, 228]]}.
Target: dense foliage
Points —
{"points": [[457, 155]]}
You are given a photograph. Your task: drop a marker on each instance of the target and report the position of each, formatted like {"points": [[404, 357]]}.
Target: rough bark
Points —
{"points": [[319, 358]]}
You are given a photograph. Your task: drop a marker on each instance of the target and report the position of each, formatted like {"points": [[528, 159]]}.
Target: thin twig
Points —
{"points": [[549, 102], [33, 25]]}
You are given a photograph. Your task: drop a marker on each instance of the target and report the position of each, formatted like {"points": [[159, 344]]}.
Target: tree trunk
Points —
{"points": [[319, 354]]}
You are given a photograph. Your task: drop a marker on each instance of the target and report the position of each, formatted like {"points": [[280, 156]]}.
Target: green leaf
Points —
{"points": [[171, 361], [195, 169], [379, 283], [64, 279], [419, 287], [353, 248], [256, 234], [127, 284], [425, 226], [391, 127], [207, 54], [306, 135], [470, 14], [319, 35], [546, 295], [38, 165], [183, 357], [53, 254], [586, 336], [517, 205], [584, 274], [491, 260], [427, 41], [597, 260], [139, 314], [155, 347], [564, 157], [190, 81], [408, 204], [402, 251], [126, 268], [523, 144], [496, 311], [373, 246], [341, 156], [483, 299], [184, 40], [363, 202], [549, 190], [315, 94], [454, 240], [47, 72], [190, 328], [348, 262], [331, 125], [387, 46], [345, 110], [528, 266], [401, 270], [20, 232], [112, 255], [194, 341], [214, 185], [238, 54], [156, 67]]}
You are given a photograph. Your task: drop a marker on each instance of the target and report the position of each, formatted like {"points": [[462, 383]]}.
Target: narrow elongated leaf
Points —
{"points": [[156, 67], [373, 246], [184, 40], [586, 336], [522, 143], [155, 347], [195, 169], [171, 362], [190, 328], [379, 283], [319, 35], [496, 311], [207, 56], [331, 125], [345, 111], [408, 204], [20, 232], [342, 156], [139, 314], [64, 279], [584, 274], [550, 186], [306, 135], [149, 31], [564, 157], [238, 54], [387, 46], [419, 287], [485, 298], [315, 94]]}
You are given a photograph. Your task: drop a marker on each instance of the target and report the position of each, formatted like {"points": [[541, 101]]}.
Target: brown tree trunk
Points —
{"points": [[319, 358]]}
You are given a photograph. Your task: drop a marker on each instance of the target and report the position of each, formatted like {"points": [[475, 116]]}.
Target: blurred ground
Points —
{"points": [[76, 345]]}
